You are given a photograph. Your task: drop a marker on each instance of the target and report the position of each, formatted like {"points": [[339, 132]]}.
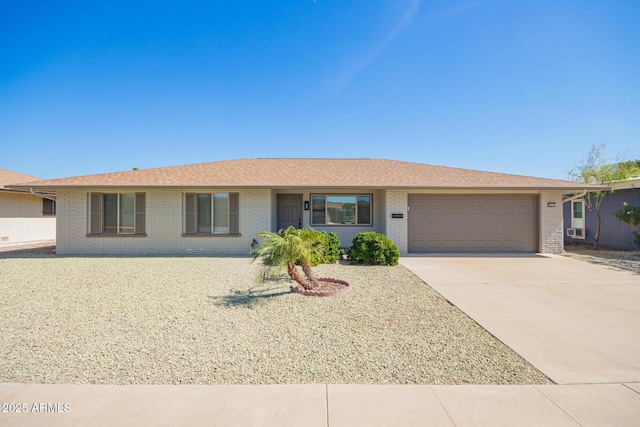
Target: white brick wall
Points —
{"points": [[164, 219], [164, 224], [398, 228], [551, 237]]}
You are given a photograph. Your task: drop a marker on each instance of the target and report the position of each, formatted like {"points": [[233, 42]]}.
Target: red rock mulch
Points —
{"points": [[328, 287]]}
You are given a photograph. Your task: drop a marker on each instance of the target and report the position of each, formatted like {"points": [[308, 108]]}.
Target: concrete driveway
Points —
{"points": [[576, 322]]}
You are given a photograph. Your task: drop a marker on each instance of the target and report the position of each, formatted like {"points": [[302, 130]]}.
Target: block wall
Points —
{"points": [[551, 236], [164, 225], [397, 229]]}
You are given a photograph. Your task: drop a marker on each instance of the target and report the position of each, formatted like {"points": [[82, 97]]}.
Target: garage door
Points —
{"points": [[491, 223]]}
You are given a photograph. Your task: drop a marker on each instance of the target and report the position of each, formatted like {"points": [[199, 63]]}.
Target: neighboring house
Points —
{"points": [[580, 224], [25, 217], [219, 207]]}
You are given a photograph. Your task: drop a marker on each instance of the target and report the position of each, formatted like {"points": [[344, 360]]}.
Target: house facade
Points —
{"points": [[580, 224], [24, 217], [220, 207]]}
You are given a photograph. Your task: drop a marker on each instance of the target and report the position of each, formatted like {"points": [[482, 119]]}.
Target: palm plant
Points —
{"points": [[286, 249]]}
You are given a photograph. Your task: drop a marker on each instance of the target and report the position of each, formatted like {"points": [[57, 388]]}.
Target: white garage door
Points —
{"points": [[463, 223]]}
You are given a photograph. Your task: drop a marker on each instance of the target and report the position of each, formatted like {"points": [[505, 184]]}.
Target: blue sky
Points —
{"points": [[507, 86]]}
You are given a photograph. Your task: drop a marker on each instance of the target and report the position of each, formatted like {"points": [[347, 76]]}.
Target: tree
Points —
{"points": [[285, 249], [630, 215], [596, 169]]}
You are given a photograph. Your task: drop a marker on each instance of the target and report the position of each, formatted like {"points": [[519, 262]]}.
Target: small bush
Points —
{"points": [[332, 252], [373, 248], [328, 252]]}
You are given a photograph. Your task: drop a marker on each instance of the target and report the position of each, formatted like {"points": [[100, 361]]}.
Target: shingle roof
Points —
{"points": [[9, 177], [284, 172]]}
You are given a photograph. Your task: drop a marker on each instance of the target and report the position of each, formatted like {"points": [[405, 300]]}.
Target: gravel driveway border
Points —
{"points": [[623, 260]]}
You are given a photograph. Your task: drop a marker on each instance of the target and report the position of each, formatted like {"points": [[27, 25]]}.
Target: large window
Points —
{"points": [[341, 209], [211, 213], [577, 219], [116, 213]]}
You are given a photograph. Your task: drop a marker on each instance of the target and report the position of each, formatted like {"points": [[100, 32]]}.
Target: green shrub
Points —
{"points": [[373, 248], [328, 245]]}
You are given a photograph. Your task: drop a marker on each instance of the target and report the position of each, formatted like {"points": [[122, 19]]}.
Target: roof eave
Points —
{"points": [[53, 188], [11, 190]]}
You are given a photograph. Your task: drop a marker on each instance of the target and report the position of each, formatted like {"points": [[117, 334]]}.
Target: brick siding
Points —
{"points": [[398, 228], [551, 237], [164, 225]]}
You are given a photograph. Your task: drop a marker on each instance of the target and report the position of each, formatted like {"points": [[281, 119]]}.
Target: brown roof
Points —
{"points": [[9, 177], [372, 173]]}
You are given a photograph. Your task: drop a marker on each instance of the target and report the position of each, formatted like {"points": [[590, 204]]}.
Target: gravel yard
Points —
{"points": [[624, 260], [207, 320]]}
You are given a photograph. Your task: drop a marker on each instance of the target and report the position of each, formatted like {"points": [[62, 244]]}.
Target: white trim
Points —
{"points": [[626, 184], [581, 233], [44, 196]]}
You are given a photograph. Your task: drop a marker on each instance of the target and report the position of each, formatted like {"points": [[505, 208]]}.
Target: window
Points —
{"points": [[116, 213], [48, 207], [577, 219], [211, 213], [341, 209]]}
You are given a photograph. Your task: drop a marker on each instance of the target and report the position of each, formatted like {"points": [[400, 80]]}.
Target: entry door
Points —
{"points": [[289, 210]]}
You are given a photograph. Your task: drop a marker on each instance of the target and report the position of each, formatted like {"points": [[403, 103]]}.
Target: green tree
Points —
{"points": [[285, 249], [630, 215], [595, 168]]}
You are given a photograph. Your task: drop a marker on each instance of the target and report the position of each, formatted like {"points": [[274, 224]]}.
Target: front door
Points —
{"points": [[289, 210]]}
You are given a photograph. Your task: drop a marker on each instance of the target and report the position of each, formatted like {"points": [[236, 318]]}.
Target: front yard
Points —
{"points": [[207, 320]]}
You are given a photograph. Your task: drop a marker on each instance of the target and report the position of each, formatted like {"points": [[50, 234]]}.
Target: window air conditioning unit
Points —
{"points": [[576, 233]]}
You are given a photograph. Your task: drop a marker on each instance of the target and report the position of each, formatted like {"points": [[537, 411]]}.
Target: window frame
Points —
{"points": [[96, 214], [355, 213], [48, 207], [573, 218], [190, 212]]}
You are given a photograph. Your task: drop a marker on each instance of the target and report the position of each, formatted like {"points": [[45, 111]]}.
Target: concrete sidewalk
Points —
{"points": [[321, 405]]}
